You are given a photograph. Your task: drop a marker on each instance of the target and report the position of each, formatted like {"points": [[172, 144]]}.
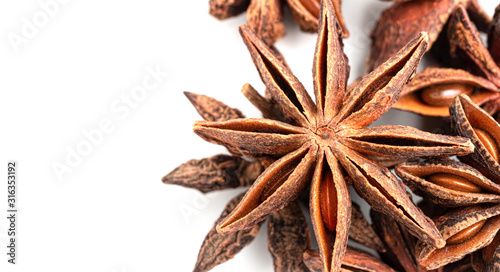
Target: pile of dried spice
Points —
{"points": [[303, 154]]}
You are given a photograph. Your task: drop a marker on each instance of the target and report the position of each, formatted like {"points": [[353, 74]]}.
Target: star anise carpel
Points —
{"points": [[329, 140]]}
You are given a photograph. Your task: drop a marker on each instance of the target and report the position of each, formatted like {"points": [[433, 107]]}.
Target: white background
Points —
{"points": [[109, 211]]}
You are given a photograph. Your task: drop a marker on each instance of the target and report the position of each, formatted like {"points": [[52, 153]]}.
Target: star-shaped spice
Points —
{"points": [[329, 140], [288, 233]]}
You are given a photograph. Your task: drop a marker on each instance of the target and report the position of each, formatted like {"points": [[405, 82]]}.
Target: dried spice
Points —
{"points": [[219, 248], [488, 259], [362, 232], [288, 238], [323, 147], [223, 9], [451, 183], [468, 120], [215, 173], [402, 21], [400, 245], [432, 90], [462, 47], [211, 109], [354, 260], [288, 231], [466, 230], [265, 17], [448, 182]]}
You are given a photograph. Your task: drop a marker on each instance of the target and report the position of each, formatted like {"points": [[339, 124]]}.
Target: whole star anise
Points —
{"points": [[287, 228], [329, 140]]}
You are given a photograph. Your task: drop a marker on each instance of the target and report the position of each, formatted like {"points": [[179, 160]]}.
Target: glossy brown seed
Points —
{"points": [[443, 94], [488, 142], [465, 234], [328, 196], [312, 6], [454, 182]]}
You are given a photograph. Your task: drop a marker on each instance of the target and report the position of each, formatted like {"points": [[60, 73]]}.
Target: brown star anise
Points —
{"points": [[432, 90], [403, 20], [329, 140], [288, 233], [265, 17]]}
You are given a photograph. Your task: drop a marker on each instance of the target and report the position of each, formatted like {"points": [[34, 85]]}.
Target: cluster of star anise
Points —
{"points": [[265, 17], [304, 154]]}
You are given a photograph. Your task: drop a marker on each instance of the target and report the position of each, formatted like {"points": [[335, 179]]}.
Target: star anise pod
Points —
{"points": [[468, 120], [403, 20], [329, 141], [355, 260], [461, 46], [265, 17], [400, 245], [433, 89], [466, 230], [288, 233]]}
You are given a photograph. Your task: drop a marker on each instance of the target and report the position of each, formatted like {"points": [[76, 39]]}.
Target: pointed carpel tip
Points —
{"points": [[198, 126], [326, 7], [221, 227], [470, 146], [425, 36], [462, 99], [461, 8], [165, 179], [243, 29], [190, 96]]}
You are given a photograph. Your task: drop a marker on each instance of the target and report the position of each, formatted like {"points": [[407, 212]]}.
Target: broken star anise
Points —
{"points": [[265, 17], [329, 140], [403, 20], [474, 72]]}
